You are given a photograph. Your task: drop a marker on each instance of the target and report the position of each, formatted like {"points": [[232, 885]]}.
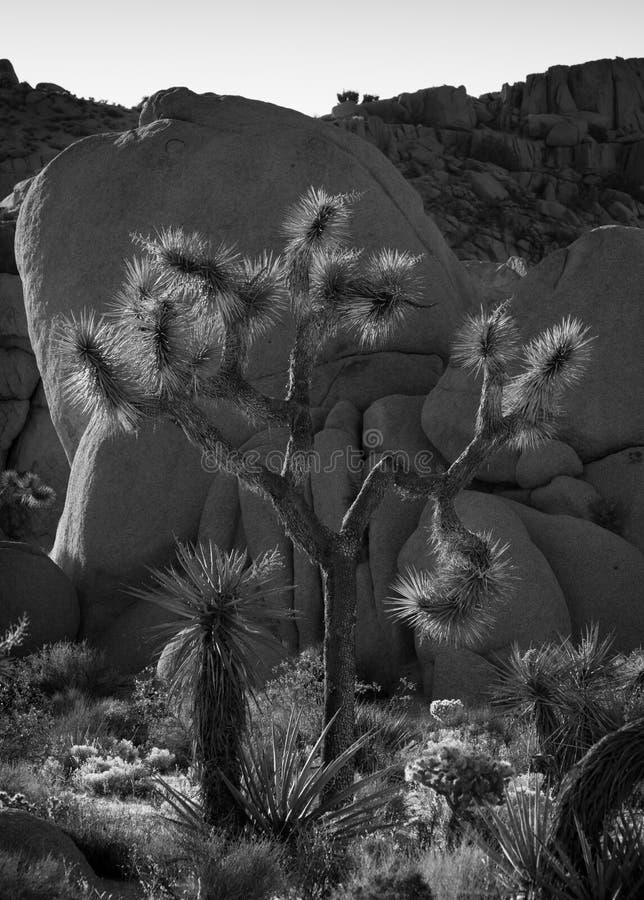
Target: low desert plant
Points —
{"points": [[463, 777], [66, 666], [446, 710], [225, 869], [517, 837], [351, 96], [12, 638], [284, 788]]}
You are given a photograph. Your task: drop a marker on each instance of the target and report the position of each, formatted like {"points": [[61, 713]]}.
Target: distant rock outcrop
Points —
{"points": [[526, 170]]}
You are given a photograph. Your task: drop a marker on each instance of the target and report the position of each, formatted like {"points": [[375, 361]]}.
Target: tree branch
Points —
{"points": [[300, 522]]}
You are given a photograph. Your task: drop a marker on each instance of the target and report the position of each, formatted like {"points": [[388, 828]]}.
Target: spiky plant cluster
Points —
{"points": [[458, 601], [567, 691], [26, 489], [219, 624]]}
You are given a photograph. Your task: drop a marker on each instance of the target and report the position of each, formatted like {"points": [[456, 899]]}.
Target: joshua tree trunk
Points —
{"points": [[340, 587]]}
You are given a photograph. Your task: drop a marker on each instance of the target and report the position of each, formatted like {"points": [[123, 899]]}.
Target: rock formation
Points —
{"points": [[526, 170]]}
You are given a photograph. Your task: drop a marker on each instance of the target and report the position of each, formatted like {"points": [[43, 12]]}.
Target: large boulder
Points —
{"points": [[600, 574], [34, 840], [128, 498], [31, 584], [229, 167], [619, 480], [599, 280]]}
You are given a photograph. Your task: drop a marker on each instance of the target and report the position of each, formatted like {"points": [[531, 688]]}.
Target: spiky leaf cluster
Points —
{"points": [[25, 488], [458, 601], [216, 602], [552, 362], [99, 377], [192, 263], [487, 341], [334, 282]]}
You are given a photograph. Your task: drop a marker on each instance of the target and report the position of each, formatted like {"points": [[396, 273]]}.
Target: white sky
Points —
{"points": [[300, 54]]}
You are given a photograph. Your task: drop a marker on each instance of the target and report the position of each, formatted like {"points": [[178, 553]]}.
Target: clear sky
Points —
{"points": [[300, 54]]}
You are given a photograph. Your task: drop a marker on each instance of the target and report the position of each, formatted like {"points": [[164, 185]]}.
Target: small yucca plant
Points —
{"points": [[472, 579], [218, 627], [566, 691]]}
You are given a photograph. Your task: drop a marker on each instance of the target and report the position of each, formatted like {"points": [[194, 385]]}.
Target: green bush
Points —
{"points": [[238, 869], [64, 666]]}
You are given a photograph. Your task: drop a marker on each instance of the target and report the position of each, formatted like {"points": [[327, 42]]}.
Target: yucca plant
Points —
{"points": [[183, 327], [516, 837], [567, 692], [283, 786], [219, 624]]}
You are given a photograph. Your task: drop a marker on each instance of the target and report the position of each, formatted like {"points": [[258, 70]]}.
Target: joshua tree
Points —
{"points": [[218, 627], [189, 304]]}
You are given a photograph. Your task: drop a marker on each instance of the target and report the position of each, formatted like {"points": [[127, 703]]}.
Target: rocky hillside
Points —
{"points": [[523, 171], [38, 122]]}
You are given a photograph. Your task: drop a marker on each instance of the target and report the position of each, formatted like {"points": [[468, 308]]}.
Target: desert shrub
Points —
{"points": [[65, 665], [390, 730], [223, 869], [316, 862], [25, 720], [459, 872], [465, 778], [26, 778], [118, 840], [461, 776], [353, 96], [445, 711], [406, 885], [297, 683]]}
